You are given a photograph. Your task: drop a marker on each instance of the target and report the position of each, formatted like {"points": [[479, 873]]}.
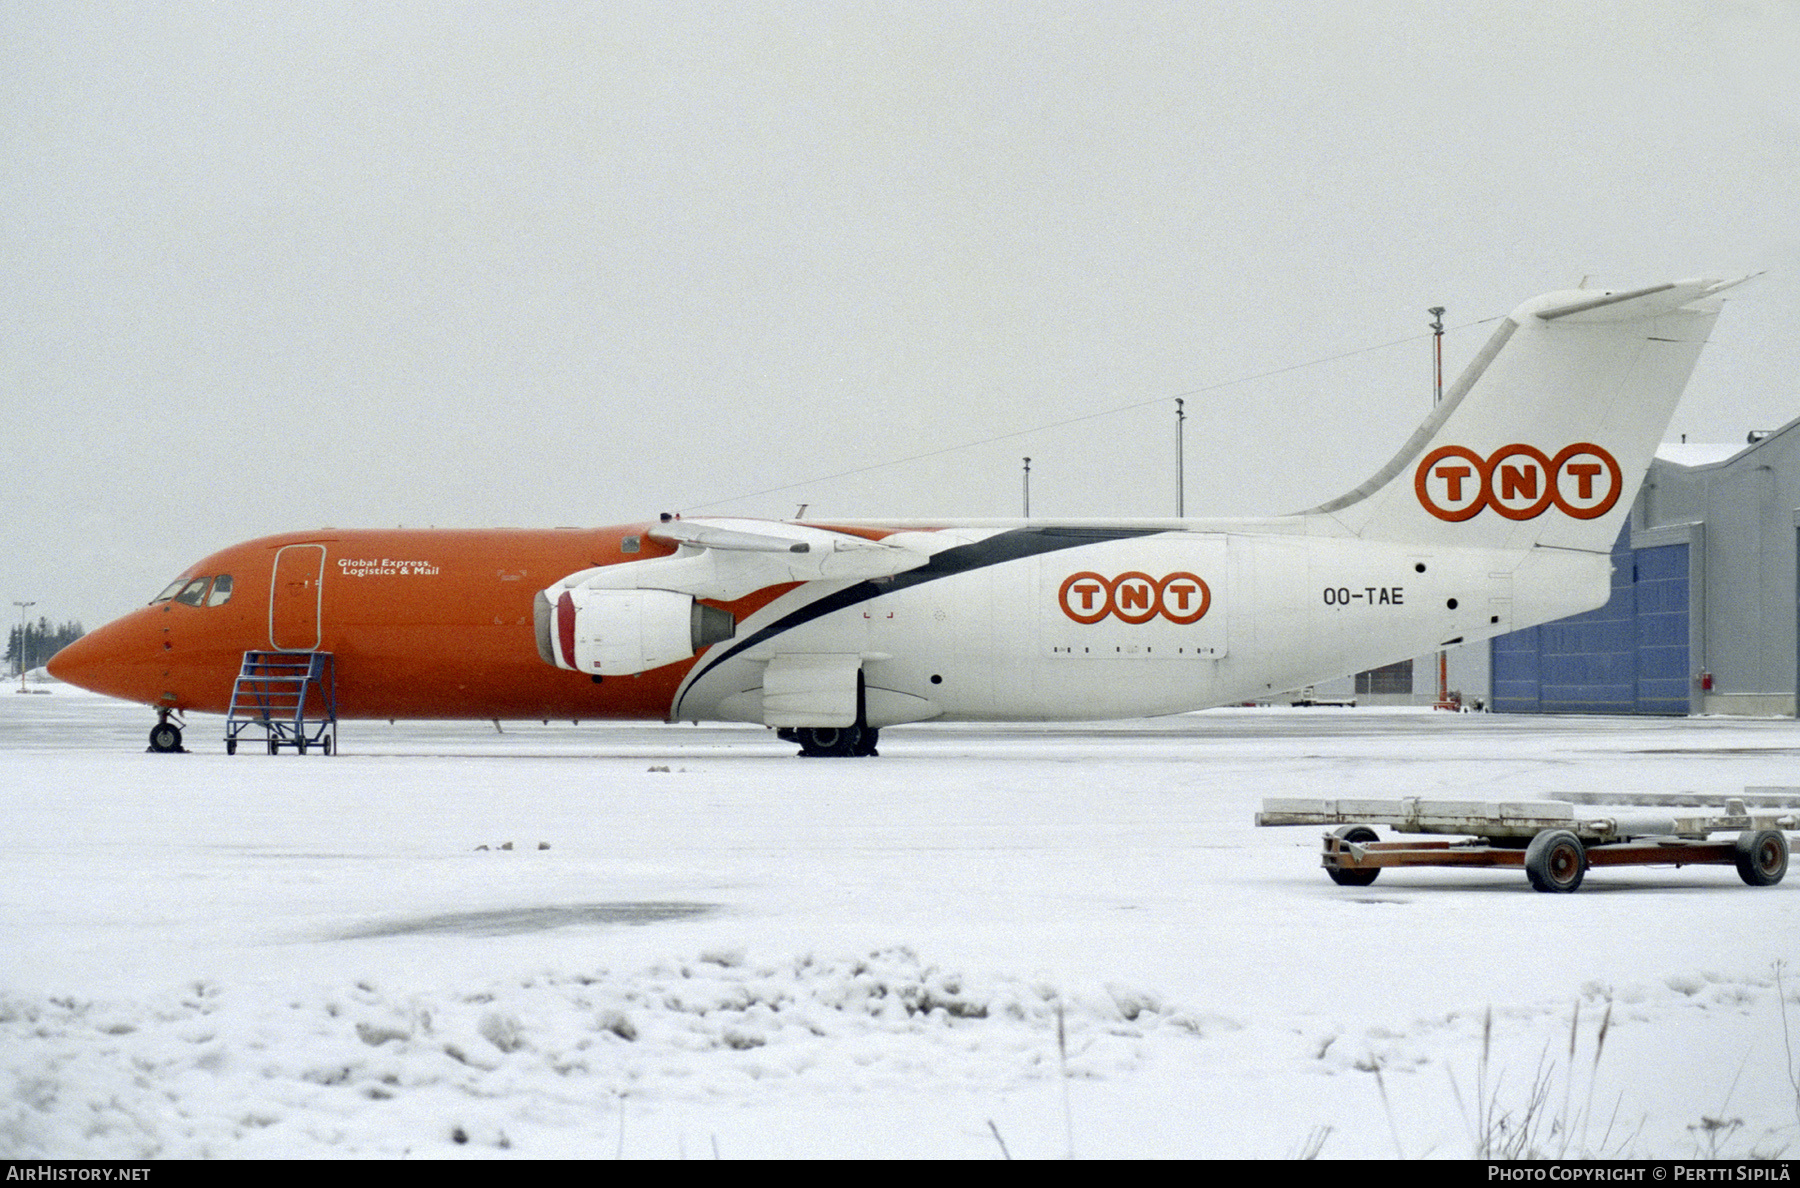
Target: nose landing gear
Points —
{"points": [[165, 736]]}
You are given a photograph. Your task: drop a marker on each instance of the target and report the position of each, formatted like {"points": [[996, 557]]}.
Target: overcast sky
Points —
{"points": [[283, 266]]}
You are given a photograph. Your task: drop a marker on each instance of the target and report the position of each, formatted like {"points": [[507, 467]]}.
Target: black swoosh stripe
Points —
{"points": [[1013, 545]]}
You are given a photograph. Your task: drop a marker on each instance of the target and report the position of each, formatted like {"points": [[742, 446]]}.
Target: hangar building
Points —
{"points": [[1703, 614]]}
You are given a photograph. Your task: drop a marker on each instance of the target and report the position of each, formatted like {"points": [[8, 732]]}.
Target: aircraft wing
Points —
{"points": [[702, 535], [808, 554], [725, 559]]}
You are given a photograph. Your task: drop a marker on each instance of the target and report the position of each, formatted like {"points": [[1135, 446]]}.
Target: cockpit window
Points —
{"points": [[193, 591]]}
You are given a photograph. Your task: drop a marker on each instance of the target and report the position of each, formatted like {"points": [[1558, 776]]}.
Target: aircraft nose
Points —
{"points": [[121, 659]]}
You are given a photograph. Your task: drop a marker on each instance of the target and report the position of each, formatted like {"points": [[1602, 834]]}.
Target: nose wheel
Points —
{"points": [[165, 736]]}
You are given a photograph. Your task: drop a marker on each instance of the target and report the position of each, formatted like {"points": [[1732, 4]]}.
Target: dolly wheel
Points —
{"points": [[1555, 861], [1762, 856], [1355, 835]]}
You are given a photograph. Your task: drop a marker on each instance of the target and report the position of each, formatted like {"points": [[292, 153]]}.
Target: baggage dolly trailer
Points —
{"points": [[1554, 844]]}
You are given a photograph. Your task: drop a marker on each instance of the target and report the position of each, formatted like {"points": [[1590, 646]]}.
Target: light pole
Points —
{"points": [[1437, 398], [1028, 488], [1180, 476], [23, 607], [1437, 334]]}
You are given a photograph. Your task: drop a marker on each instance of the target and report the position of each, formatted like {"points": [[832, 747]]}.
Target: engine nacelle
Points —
{"points": [[620, 632]]}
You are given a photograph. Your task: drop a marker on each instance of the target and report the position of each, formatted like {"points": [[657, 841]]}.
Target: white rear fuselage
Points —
{"points": [[1116, 620]]}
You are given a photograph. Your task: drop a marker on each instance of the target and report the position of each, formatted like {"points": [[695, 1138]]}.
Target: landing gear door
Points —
{"points": [[295, 597], [811, 690]]}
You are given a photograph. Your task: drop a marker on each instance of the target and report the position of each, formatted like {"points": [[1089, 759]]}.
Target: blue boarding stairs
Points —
{"points": [[290, 696]]}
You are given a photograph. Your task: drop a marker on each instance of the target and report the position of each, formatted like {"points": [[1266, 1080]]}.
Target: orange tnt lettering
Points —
{"points": [[1515, 481], [1584, 479], [1470, 466], [1584, 474], [1086, 586], [1517, 494], [1134, 597]]}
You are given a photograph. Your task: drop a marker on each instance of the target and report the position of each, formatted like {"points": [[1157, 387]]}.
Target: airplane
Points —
{"points": [[1499, 513]]}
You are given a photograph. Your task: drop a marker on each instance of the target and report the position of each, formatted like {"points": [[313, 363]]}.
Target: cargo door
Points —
{"points": [[296, 590]]}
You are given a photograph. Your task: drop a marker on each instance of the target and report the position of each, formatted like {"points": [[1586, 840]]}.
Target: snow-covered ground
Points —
{"points": [[1056, 940]]}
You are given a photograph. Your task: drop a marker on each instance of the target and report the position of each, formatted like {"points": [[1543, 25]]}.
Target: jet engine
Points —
{"points": [[620, 632]]}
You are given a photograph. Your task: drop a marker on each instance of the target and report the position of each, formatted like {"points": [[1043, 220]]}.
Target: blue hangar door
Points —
{"points": [[1628, 657]]}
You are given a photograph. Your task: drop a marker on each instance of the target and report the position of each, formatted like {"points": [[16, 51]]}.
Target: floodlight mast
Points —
{"points": [[1180, 475], [1437, 398], [1437, 335], [23, 607]]}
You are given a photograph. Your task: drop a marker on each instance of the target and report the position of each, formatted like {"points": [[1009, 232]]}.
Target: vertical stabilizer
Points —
{"points": [[1545, 438]]}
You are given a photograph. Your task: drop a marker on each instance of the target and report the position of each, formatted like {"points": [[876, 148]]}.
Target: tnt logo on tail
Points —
{"points": [[1519, 482]]}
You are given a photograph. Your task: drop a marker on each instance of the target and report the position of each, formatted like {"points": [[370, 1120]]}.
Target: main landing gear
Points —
{"points": [[165, 736], [838, 742]]}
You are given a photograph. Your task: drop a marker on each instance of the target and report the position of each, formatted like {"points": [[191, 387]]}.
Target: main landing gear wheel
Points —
{"points": [[165, 737], [1357, 835], [1762, 856], [1555, 861], [838, 742]]}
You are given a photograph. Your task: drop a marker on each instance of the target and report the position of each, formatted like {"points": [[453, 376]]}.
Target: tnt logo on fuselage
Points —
{"points": [[1519, 482], [1134, 597]]}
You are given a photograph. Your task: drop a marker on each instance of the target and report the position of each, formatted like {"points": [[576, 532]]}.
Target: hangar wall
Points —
{"points": [[1703, 617], [1630, 656]]}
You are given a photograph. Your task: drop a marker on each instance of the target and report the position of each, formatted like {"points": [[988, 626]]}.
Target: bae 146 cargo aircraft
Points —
{"points": [[1499, 513]]}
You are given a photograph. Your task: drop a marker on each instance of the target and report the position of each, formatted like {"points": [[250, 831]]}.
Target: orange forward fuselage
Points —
{"points": [[424, 623]]}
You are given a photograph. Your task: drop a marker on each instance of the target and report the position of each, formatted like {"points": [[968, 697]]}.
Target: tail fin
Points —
{"points": [[1547, 435]]}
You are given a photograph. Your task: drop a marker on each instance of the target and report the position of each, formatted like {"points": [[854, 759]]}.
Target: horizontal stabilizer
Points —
{"points": [[1631, 306]]}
